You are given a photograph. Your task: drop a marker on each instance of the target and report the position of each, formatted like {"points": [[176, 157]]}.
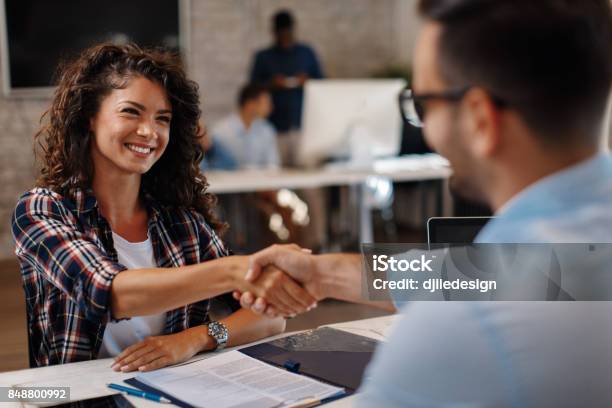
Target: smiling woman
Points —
{"points": [[93, 96], [129, 136], [118, 246]]}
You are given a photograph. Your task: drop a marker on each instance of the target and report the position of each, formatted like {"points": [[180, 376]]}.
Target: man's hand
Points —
{"points": [[278, 289], [296, 262], [302, 77], [159, 351], [279, 82]]}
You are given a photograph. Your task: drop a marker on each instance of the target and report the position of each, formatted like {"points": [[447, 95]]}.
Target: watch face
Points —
{"points": [[219, 332]]}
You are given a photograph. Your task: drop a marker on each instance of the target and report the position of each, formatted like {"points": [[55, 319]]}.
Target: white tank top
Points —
{"points": [[120, 335]]}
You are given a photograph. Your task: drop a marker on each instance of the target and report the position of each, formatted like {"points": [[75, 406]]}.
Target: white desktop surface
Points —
{"points": [[88, 379], [406, 168]]}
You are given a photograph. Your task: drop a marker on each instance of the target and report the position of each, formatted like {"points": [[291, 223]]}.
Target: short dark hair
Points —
{"points": [[250, 92], [282, 20], [550, 60]]}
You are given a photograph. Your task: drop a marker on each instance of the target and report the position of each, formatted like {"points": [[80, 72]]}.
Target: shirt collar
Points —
{"points": [[85, 201], [560, 188], [152, 205], [242, 129], [280, 49]]}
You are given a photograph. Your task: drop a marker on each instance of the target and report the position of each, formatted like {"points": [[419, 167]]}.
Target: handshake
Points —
{"points": [[282, 280], [286, 280]]}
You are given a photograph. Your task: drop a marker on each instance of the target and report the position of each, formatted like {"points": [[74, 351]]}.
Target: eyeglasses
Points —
{"points": [[412, 105]]}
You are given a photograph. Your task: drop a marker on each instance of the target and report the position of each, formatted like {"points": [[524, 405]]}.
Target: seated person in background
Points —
{"points": [[118, 244], [246, 140], [246, 135], [216, 156]]}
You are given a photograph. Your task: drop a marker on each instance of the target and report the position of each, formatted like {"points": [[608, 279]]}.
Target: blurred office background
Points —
{"points": [[353, 39]]}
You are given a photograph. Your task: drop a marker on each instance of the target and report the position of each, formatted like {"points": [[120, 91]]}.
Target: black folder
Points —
{"points": [[333, 356]]}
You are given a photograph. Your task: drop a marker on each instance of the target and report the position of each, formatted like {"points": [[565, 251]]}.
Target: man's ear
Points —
{"points": [[482, 122]]}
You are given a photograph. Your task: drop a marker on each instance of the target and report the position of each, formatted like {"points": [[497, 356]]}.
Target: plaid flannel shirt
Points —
{"points": [[68, 262]]}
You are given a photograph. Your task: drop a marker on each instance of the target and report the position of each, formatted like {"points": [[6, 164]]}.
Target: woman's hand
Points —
{"points": [[278, 289], [299, 269], [160, 351]]}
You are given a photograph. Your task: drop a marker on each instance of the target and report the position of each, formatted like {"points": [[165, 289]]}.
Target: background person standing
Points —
{"points": [[285, 67]]}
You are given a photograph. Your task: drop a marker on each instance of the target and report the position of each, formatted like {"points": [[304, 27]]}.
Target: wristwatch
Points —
{"points": [[219, 332]]}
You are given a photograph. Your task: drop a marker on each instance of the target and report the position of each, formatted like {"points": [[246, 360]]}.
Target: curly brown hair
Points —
{"points": [[64, 138]]}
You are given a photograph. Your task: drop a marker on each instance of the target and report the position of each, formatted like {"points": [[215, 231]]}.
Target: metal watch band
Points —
{"points": [[219, 332]]}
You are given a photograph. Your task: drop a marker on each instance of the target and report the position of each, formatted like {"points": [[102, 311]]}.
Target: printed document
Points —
{"points": [[233, 379]]}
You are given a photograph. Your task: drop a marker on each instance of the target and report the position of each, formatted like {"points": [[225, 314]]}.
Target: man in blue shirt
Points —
{"points": [[513, 94], [284, 67], [245, 135]]}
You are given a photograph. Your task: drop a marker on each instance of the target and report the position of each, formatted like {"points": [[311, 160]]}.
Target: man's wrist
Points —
{"points": [[338, 276], [324, 281]]}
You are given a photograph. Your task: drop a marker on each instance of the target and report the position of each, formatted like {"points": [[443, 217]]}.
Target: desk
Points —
{"points": [[406, 168], [401, 169], [88, 379]]}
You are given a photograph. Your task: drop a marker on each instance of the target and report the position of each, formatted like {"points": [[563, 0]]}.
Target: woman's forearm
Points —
{"points": [[243, 326], [139, 292], [158, 351]]}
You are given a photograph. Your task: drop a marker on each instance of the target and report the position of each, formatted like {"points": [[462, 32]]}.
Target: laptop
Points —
{"points": [[454, 230]]}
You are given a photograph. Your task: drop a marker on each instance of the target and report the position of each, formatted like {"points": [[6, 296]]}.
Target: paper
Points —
{"points": [[377, 328], [233, 379], [86, 379]]}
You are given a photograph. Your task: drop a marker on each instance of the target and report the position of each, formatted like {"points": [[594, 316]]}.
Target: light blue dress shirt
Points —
{"points": [[252, 148], [510, 354], [571, 206]]}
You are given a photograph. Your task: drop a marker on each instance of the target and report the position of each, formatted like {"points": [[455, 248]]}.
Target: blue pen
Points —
{"points": [[139, 393]]}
